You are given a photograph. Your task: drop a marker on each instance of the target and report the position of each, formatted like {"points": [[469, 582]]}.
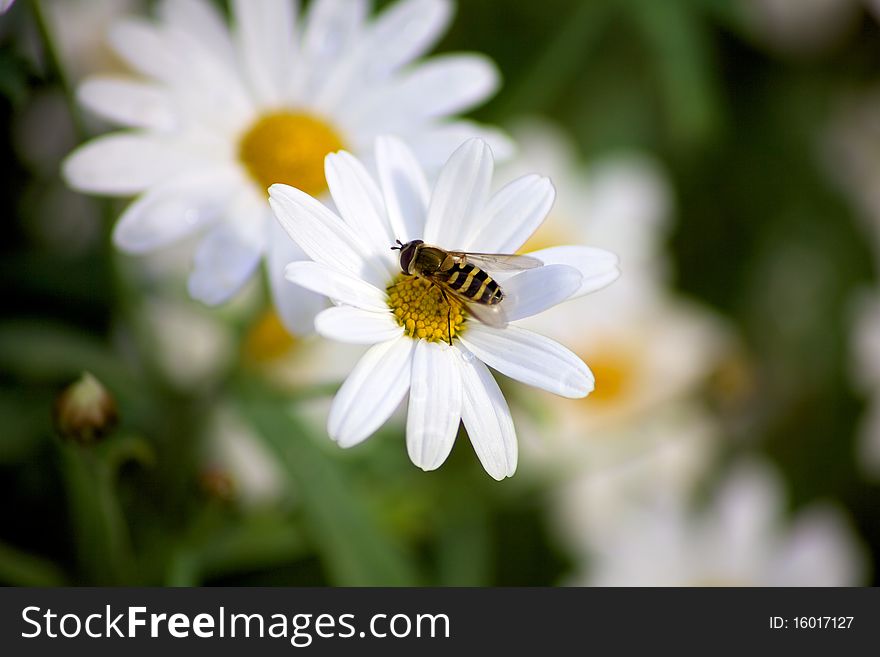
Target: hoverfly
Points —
{"points": [[463, 275]]}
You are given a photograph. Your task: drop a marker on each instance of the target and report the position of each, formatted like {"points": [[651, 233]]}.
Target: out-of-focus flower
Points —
{"points": [[663, 457], [852, 155], [192, 347], [235, 455], [219, 115], [5, 5], [801, 26], [407, 320], [85, 411], [79, 28], [866, 372], [648, 349], [742, 538]]}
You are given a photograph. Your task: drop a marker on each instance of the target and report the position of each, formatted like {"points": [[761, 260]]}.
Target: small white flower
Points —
{"points": [[5, 5], [217, 115], [406, 321], [741, 539]]}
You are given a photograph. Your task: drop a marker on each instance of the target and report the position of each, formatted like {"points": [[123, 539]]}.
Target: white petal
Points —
{"points": [[172, 210], [535, 290], [331, 29], [397, 36], [222, 264], [296, 306], [434, 404], [404, 188], [487, 419], [356, 326], [512, 214], [406, 30], [440, 87], [360, 204], [324, 236], [459, 195], [266, 42], [142, 46], [127, 102], [200, 19], [337, 284], [597, 266], [530, 358], [433, 146], [120, 164], [372, 391]]}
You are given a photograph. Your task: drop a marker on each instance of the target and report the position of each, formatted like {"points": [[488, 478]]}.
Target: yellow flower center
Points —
{"points": [[267, 340], [288, 147], [420, 309], [615, 369]]}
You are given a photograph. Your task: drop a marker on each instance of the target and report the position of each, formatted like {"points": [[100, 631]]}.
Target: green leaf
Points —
{"points": [[19, 568], [355, 549]]}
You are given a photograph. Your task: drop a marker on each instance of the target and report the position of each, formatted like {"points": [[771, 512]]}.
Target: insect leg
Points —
{"points": [[448, 314]]}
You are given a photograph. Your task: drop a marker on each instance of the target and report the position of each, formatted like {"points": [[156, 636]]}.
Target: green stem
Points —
{"points": [[56, 68]]}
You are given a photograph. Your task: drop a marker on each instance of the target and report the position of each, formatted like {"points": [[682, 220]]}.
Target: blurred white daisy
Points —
{"points": [[866, 372], [216, 115], [742, 538], [635, 333], [406, 319]]}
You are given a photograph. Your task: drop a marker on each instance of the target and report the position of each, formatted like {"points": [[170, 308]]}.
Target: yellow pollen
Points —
{"points": [[267, 340], [420, 309], [288, 147]]}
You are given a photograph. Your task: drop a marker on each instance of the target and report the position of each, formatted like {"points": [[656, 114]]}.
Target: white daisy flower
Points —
{"points": [[218, 115], [407, 320], [741, 539]]}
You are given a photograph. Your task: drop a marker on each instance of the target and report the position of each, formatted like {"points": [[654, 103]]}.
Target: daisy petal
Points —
{"points": [[512, 214], [127, 102], [324, 236], [356, 326], [371, 392], [265, 38], [204, 22], [360, 204], [530, 358], [535, 290], [434, 404], [404, 188], [597, 266], [487, 419], [120, 164], [296, 306], [407, 30], [340, 286], [330, 29], [459, 195], [172, 210], [432, 146], [222, 264], [142, 46], [440, 87]]}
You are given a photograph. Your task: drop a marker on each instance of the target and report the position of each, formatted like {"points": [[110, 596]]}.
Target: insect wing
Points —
{"points": [[493, 315], [497, 261]]}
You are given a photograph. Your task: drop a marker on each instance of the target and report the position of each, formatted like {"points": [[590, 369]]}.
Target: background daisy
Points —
{"points": [[216, 114]]}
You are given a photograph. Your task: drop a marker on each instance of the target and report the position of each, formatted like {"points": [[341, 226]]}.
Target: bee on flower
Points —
{"points": [[434, 346], [213, 115]]}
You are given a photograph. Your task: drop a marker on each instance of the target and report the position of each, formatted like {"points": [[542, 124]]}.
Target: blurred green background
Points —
{"points": [[763, 233]]}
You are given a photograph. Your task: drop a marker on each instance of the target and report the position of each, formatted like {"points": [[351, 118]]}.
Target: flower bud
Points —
{"points": [[85, 411]]}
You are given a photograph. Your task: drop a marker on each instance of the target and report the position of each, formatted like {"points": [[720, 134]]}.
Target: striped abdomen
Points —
{"points": [[473, 283]]}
